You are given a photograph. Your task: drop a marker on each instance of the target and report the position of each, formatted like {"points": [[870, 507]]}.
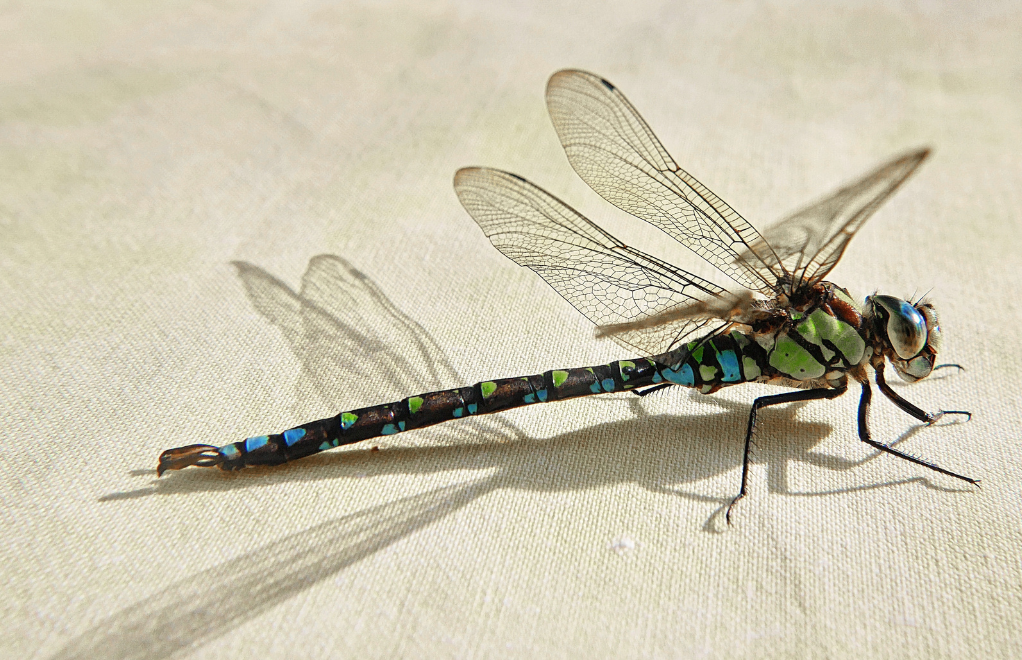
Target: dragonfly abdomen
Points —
{"points": [[715, 362], [435, 407]]}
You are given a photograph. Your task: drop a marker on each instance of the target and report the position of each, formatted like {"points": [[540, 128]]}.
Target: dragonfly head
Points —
{"points": [[909, 334]]}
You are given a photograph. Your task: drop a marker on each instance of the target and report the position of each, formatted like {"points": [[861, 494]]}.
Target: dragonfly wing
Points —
{"points": [[603, 278], [614, 151], [809, 243]]}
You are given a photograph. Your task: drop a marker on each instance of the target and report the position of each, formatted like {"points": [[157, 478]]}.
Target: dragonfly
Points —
{"points": [[783, 324]]}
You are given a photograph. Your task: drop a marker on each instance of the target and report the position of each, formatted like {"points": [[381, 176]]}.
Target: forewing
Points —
{"points": [[601, 277], [614, 151], [809, 243]]}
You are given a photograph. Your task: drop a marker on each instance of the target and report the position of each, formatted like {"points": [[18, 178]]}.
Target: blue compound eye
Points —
{"points": [[906, 327]]}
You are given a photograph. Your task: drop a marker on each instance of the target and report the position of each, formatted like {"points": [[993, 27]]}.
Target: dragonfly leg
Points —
{"points": [[773, 400], [864, 435], [910, 408], [949, 365], [651, 390]]}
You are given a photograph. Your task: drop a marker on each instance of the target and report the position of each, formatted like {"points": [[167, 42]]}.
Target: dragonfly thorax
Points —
{"points": [[905, 333]]}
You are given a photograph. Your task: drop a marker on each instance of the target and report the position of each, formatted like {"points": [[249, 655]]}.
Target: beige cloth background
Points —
{"points": [[169, 174]]}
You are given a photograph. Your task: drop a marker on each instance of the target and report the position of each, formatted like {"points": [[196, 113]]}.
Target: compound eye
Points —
{"points": [[933, 334], [906, 327]]}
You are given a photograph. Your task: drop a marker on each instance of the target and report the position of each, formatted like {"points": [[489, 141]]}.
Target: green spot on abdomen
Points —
{"points": [[414, 403], [488, 388], [347, 419], [625, 364], [559, 377], [792, 360]]}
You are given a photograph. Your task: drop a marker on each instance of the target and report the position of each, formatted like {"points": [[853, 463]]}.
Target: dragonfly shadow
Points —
{"points": [[353, 342]]}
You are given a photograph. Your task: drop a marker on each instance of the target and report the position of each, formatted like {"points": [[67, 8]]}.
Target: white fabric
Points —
{"points": [[144, 149]]}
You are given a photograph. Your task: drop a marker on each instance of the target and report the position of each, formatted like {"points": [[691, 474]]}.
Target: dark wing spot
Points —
{"points": [[513, 175], [606, 83]]}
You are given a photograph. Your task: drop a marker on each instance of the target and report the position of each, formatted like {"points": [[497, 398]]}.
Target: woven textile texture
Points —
{"points": [[224, 219]]}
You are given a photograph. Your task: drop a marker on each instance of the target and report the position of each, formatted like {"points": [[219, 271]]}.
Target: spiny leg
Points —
{"points": [[910, 408], [867, 395], [773, 400]]}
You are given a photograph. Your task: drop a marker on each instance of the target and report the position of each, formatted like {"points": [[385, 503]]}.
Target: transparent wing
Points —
{"points": [[604, 279], [809, 243], [614, 151]]}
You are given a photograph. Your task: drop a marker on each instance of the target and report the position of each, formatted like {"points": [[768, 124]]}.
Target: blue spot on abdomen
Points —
{"points": [[251, 444], [292, 436], [729, 365], [682, 376]]}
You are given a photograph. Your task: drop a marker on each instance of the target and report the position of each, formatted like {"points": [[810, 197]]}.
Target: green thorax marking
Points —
{"points": [[820, 326], [794, 361]]}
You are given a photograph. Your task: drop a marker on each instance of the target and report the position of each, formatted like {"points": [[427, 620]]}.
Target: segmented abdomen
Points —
{"points": [[716, 362], [434, 407], [822, 344]]}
